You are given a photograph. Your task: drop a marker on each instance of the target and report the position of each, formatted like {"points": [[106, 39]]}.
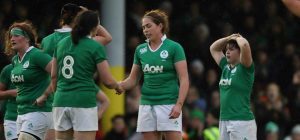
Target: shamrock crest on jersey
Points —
{"points": [[164, 54], [26, 65]]}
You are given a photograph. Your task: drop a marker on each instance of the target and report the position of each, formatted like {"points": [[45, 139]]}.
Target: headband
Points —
{"points": [[18, 31]]}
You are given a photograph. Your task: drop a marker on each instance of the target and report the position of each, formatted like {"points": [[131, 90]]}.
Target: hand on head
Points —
{"points": [[83, 8], [233, 36]]}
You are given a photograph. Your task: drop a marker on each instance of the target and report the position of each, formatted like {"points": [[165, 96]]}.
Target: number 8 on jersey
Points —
{"points": [[67, 69]]}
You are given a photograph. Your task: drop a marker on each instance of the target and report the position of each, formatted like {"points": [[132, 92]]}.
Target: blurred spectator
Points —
{"points": [[296, 132], [212, 129], [197, 120], [215, 99], [262, 67], [194, 101], [197, 69], [271, 131], [211, 83], [275, 106], [119, 130]]}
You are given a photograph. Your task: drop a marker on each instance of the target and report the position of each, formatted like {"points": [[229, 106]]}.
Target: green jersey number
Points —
{"points": [[67, 69]]}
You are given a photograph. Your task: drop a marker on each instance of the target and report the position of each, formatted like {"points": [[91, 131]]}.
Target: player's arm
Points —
{"points": [[181, 68], [216, 49], [293, 6], [134, 77], [106, 77], [102, 36], [6, 93], [40, 100], [246, 56], [54, 74], [104, 101]]}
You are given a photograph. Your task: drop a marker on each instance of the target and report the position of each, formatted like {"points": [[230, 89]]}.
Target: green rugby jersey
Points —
{"points": [[49, 43], [31, 80], [161, 84], [76, 65], [235, 91], [10, 103]]}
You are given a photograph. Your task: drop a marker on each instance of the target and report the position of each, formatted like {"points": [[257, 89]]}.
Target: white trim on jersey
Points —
{"points": [[164, 37], [64, 29]]}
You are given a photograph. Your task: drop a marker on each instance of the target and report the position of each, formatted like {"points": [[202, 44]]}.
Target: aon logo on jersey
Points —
{"points": [[225, 82], [153, 69], [17, 78]]}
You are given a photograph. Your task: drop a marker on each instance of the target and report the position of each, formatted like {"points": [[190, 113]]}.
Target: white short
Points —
{"points": [[156, 118], [238, 130], [36, 123], [10, 130], [80, 119]]}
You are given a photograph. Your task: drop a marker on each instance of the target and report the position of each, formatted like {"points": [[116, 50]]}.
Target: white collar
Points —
{"points": [[30, 48], [64, 29], [163, 38]]}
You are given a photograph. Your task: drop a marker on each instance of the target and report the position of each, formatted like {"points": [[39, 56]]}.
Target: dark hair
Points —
{"points": [[158, 16], [84, 23], [233, 43], [114, 118], [68, 13], [25, 26]]}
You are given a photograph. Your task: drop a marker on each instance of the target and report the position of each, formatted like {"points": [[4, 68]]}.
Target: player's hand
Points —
{"points": [[41, 100], [233, 36], [175, 112], [119, 89], [83, 8]]}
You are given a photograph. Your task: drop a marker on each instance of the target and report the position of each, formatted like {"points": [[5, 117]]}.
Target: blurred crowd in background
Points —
{"points": [[272, 31]]}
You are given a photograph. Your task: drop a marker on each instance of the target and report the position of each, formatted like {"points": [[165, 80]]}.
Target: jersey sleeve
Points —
{"points": [[136, 59], [41, 59], [179, 53], [223, 63], [100, 54], [250, 69], [54, 53], [5, 75]]}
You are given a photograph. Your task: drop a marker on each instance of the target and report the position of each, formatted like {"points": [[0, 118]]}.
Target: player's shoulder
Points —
{"points": [[172, 42], [48, 38], [90, 41], [142, 46], [64, 40], [7, 67]]}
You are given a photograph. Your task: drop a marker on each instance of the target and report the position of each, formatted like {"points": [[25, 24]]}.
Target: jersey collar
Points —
{"points": [[64, 29], [163, 38], [30, 48]]}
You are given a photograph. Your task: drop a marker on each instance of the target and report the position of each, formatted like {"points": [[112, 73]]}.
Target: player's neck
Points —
{"points": [[154, 44], [232, 65], [22, 51]]}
